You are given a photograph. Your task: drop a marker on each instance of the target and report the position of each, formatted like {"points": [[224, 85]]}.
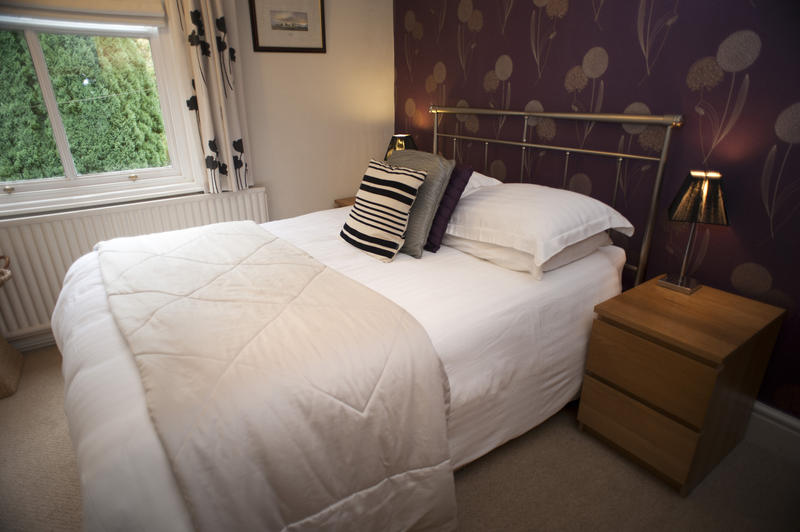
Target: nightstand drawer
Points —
{"points": [[659, 376], [660, 442]]}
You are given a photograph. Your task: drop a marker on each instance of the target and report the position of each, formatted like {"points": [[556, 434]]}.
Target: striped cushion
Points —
{"points": [[377, 221]]}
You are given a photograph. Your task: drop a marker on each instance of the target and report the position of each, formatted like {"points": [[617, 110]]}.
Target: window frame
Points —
{"points": [[183, 176]]}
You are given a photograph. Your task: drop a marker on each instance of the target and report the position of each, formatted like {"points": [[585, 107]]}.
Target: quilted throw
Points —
{"points": [[286, 396]]}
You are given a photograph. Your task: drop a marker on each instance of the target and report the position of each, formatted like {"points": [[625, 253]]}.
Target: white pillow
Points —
{"points": [[513, 259], [476, 181], [534, 219]]}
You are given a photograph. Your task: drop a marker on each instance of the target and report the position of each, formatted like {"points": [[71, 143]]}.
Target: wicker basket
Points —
{"points": [[10, 358], [5, 273]]}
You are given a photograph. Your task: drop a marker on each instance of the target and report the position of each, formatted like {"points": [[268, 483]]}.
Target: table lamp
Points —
{"points": [[400, 141], [699, 200]]}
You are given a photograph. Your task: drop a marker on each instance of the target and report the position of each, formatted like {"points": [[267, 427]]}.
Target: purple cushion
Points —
{"points": [[456, 185]]}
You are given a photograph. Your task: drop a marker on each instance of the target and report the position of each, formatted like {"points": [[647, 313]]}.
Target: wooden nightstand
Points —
{"points": [[671, 378], [344, 202]]}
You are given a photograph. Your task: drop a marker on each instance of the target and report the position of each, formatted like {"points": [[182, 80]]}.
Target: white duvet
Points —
{"points": [[286, 396]]}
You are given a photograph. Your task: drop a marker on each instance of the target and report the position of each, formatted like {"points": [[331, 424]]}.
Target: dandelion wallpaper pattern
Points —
{"points": [[730, 68]]}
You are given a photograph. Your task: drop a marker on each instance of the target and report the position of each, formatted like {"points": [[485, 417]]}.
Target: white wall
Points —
{"points": [[314, 120]]}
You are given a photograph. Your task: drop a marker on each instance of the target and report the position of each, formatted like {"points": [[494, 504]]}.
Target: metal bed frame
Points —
{"points": [[669, 122]]}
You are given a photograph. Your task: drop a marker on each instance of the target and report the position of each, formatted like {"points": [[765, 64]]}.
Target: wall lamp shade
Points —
{"points": [[400, 141], [700, 200]]}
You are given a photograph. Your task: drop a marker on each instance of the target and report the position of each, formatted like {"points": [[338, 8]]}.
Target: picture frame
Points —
{"points": [[288, 25]]}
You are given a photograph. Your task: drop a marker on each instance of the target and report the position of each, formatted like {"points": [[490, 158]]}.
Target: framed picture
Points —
{"points": [[288, 25]]}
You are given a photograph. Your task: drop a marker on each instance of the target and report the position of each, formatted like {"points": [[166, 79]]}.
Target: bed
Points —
{"points": [[509, 351]]}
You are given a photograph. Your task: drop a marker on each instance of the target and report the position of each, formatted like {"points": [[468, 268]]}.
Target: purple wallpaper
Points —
{"points": [[730, 68]]}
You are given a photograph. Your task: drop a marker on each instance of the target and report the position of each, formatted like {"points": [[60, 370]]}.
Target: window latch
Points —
{"points": [[8, 189], [133, 177]]}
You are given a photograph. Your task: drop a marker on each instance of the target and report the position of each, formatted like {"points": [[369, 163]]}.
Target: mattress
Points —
{"points": [[512, 347]]}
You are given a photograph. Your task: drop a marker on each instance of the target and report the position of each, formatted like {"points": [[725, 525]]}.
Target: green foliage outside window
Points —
{"points": [[108, 100], [27, 148]]}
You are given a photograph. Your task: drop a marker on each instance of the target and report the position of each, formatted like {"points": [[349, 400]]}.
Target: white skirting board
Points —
{"points": [[34, 341], [43, 247], [775, 431]]}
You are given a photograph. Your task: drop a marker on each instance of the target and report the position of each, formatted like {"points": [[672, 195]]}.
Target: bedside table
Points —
{"points": [[344, 202], [671, 378]]}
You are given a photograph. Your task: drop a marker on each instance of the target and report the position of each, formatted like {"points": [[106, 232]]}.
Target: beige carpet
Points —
{"points": [[558, 478], [39, 486], [553, 478]]}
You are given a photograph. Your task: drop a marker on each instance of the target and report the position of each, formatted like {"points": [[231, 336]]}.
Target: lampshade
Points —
{"points": [[700, 199], [400, 141]]}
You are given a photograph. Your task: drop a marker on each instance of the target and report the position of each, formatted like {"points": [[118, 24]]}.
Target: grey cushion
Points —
{"points": [[428, 196]]}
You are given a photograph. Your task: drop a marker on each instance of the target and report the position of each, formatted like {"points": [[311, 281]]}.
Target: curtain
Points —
{"points": [[211, 38]]}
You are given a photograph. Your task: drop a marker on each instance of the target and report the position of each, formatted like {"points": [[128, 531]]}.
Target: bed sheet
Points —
{"points": [[513, 347]]}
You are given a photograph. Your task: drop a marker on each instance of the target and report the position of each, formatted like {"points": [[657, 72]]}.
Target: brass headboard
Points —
{"points": [[668, 122]]}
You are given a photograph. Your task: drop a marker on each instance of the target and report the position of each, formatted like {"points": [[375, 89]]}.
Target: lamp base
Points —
{"points": [[684, 285]]}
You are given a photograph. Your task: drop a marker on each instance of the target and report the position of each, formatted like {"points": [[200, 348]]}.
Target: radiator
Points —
{"points": [[42, 248]]}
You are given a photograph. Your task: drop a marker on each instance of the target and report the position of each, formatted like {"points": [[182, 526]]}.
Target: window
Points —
{"points": [[90, 115]]}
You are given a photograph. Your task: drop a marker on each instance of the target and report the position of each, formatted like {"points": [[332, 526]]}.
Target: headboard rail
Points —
{"points": [[668, 122]]}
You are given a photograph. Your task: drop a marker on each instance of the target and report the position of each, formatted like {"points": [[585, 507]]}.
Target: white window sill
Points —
{"points": [[19, 206]]}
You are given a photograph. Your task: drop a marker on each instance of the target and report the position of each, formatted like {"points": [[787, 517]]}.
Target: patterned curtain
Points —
{"points": [[212, 40]]}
